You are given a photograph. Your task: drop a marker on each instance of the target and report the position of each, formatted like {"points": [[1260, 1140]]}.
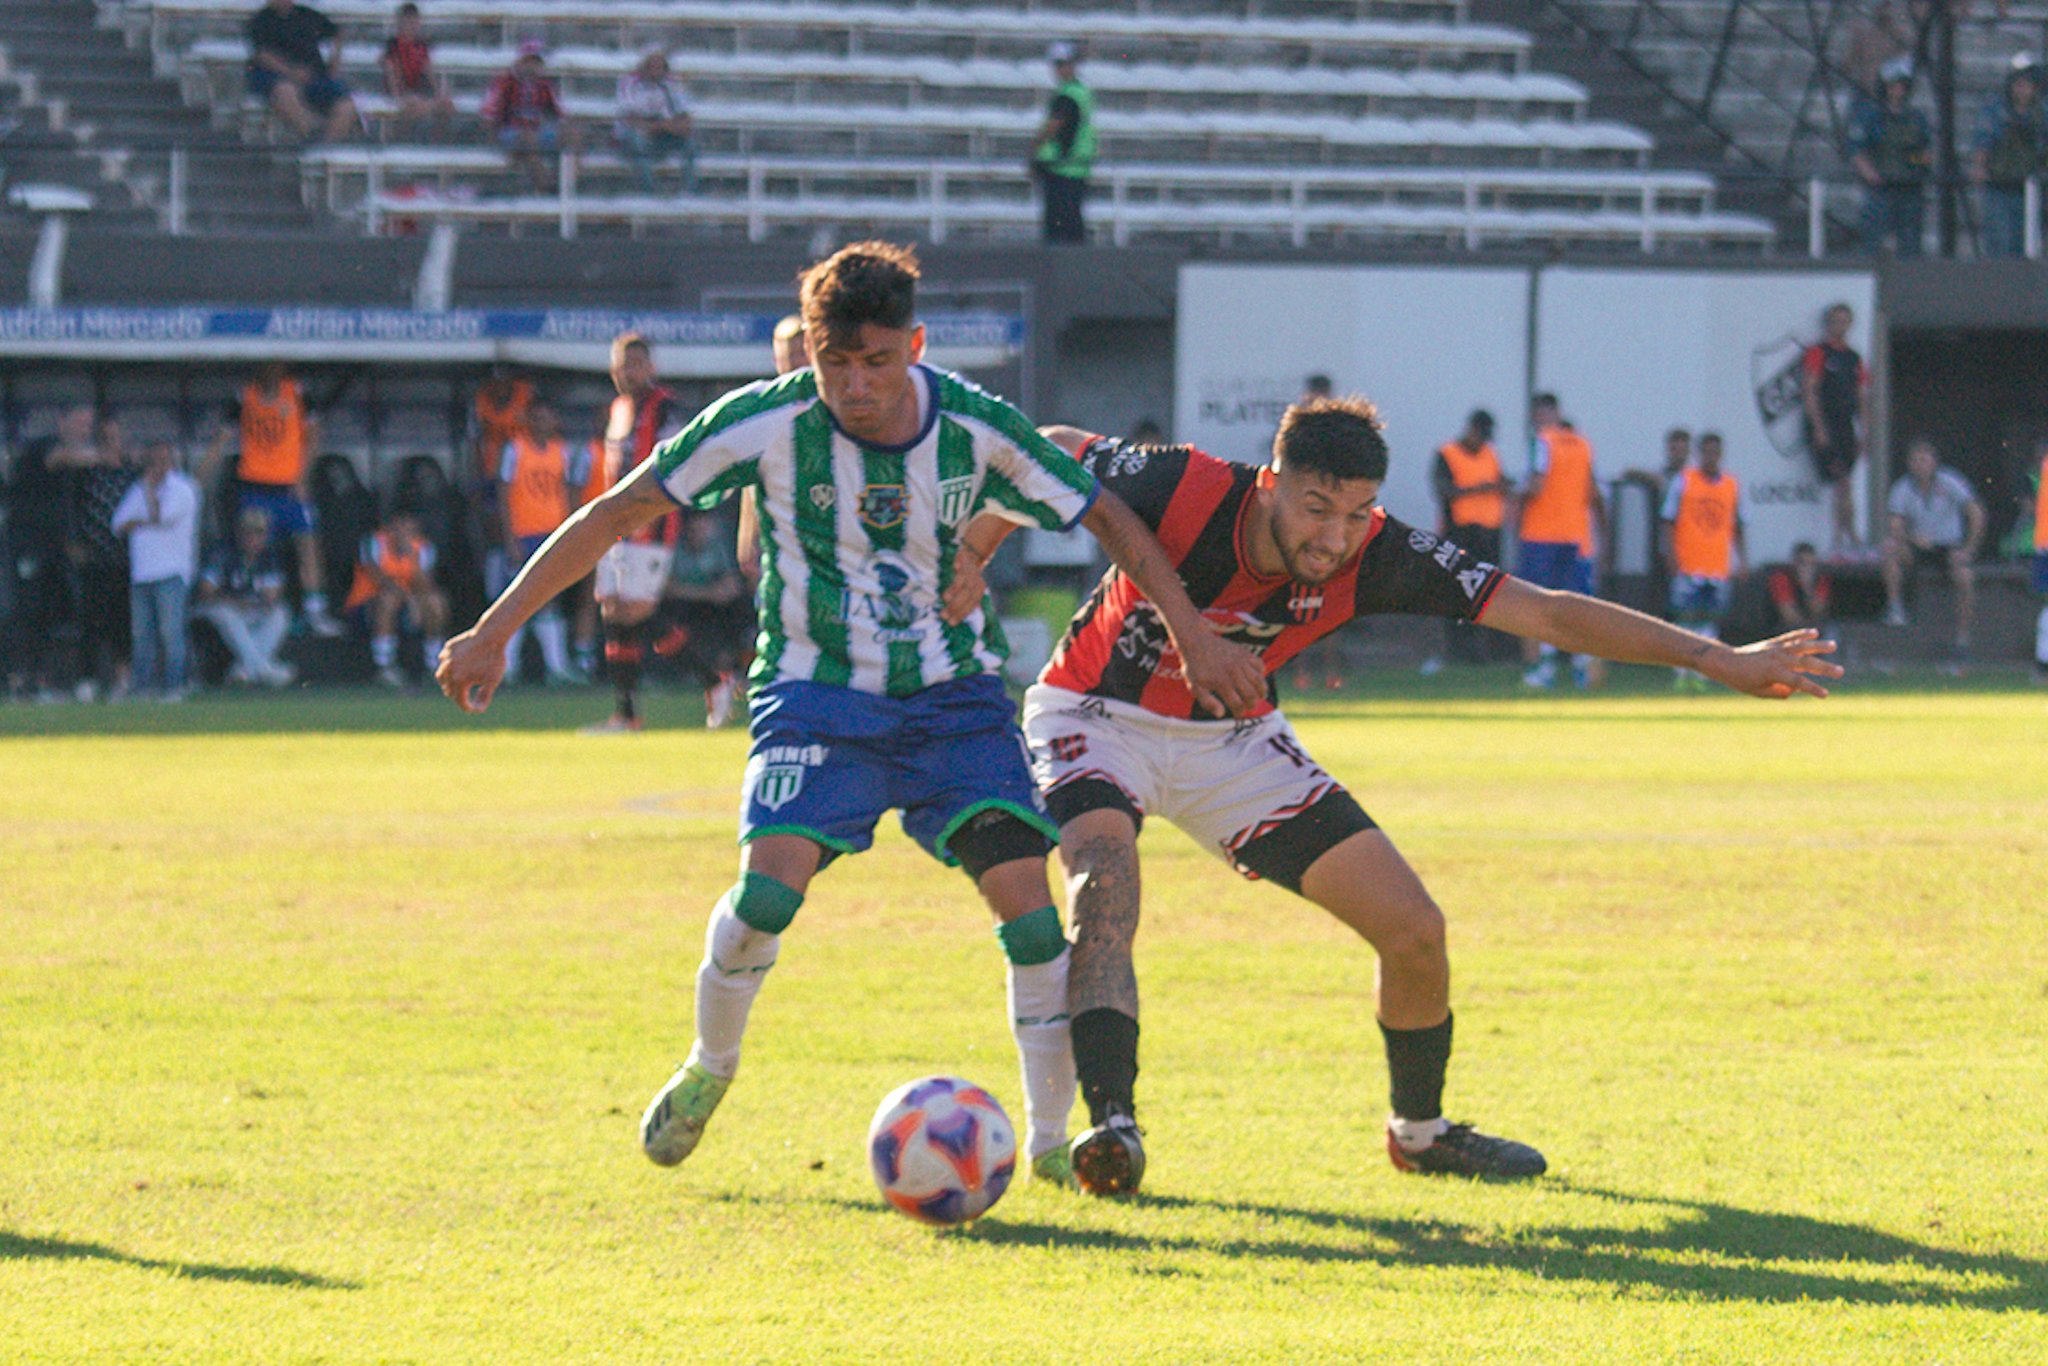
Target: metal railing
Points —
{"points": [[1823, 192]]}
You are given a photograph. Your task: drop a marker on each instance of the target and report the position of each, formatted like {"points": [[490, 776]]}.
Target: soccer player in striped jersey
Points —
{"points": [[872, 689], [1278, 558]]}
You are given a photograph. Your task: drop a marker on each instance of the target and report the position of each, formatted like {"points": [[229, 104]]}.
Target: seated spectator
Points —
{"points": [[1802, 592], [417, 93], [1891, 149], [241, 592], [708, 600], [289, 73], [525, 116], [395, 586], [1936, 522], [2009, 145], [654, 122], [159, 516]]}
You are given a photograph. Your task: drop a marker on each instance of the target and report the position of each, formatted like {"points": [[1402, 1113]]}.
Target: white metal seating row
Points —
{"points": [[1299, 225], [219, 63], [345, 178], [734, 25]]}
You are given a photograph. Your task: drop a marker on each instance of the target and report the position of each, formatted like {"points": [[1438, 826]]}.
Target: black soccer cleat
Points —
{"points": [[1462, 1150], [1109, 1159]]}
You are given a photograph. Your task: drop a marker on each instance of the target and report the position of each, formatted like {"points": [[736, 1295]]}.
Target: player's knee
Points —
{"points": [[764, 903], [989, 839]]}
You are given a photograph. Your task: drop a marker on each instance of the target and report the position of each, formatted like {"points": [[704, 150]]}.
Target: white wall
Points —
{"points": [[1629, 352]]}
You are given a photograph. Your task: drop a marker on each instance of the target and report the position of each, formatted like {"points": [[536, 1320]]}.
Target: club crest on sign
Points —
{"points": [[778, 785], [1774, 380], [881, 506], [956, 496]]}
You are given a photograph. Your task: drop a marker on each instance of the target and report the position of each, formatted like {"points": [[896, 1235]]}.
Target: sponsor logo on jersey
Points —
{"points": [[1421, 542], [956, 496], [824, 497], [881, 506], [1305, 603], [1474, 579], [895, 610]]}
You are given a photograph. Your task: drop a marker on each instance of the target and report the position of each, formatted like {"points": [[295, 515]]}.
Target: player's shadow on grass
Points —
{"points": [[1703, 1250], [15, 1246]]}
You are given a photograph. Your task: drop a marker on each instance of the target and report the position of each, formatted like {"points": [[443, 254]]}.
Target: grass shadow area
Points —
{"points": [[18, 1247], [1702, 1250]]}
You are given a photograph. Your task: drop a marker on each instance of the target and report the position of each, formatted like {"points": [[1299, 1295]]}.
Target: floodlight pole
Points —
{"points": [[1948, 185]]}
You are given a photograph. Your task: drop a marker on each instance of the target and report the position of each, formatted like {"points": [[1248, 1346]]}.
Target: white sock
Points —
{"points": [[384, 651], [1038, 1018], [554, 641], [1416, 1134], [736, 958]]}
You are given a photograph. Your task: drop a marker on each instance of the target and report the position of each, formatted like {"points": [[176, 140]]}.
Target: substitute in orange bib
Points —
{"points": [[1560, 510], [497, 414], [1701, 539], [394, 585], [633, 573], [278, 436], [1473, 493], [539, 475]]}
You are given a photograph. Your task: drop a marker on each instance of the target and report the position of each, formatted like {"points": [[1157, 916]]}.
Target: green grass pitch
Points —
{"points": [[325, 1024]]}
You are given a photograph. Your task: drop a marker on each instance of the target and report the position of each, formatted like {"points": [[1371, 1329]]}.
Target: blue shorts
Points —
{"points": [[280, 506], [1696, 597], [1555, 564], [2041, 571], [827, 762], [321, 94]]}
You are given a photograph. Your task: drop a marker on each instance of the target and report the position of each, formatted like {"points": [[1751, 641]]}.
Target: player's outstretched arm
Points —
{"points": [[1225, 678], [473, 663], [1778, 667]]}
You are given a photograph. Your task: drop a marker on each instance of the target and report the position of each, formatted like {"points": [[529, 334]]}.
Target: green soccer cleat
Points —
{"points": [[675, 1119], [1054, 1167]]}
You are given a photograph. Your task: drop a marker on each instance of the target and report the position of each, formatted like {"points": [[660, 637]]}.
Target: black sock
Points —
{"points": [[1106, 1060], [622, 655], [1416, 1061]]}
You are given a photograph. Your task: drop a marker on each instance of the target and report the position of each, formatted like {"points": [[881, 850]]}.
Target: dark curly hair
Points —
{"points": [[1336, 438], [867, 282]]}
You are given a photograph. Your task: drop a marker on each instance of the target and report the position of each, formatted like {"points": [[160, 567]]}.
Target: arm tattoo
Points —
{"points": [[1102, 882]]}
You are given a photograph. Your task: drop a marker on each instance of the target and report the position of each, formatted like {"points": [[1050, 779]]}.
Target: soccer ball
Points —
{"points": [[942, 1150]]}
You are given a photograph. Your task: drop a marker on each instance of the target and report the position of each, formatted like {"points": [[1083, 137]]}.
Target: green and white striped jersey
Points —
{"points": [[858, 541]]}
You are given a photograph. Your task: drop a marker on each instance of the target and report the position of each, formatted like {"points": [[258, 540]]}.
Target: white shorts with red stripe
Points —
{"points": [[632, 571], [1223, 782]]}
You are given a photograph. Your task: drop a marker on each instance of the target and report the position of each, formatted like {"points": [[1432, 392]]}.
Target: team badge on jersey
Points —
{"points": [[824, 497], [881, 506], [956, 496], [778, 785]]}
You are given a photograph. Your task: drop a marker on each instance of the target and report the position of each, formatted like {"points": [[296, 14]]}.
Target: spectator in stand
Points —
{"points": [[1559, 511], [290, 74], [2008, 146], [1472, 495], [1937, 523], [1065, 150], [37, 495], [278, 437], [241, 592], [418, 94], [708, 599], [1802, 592], [99, 561], [539, 475], [159, 517], [1891, 149], [525, 116], [395, 587], [1702, 543], [653, 122], [1834, 388]]}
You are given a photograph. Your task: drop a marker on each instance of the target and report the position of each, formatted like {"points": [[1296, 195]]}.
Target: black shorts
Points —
{"points": [[1834, 461]]}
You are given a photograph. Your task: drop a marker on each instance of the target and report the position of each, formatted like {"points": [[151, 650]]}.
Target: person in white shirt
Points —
{"points": [[159, 516], [1936, 522], [653, 122]]}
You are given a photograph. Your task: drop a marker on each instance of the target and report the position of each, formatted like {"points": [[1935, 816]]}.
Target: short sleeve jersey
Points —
{"points": [[858, 541], [1117, 646], [1840, 373], [295, 35]]}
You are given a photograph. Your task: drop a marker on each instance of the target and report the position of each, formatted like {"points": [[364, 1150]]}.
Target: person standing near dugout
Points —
{"points": [[1559, 509], [1834, 391], [1700, 537], [1473, 494], [1277, 558]]}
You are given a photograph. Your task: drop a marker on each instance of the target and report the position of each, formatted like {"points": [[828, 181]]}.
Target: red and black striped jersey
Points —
{"points": [[1117, 645]]}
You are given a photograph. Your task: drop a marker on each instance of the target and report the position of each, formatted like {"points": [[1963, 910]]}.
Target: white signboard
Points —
{"points": [[1632, 354], [1426, 345]]}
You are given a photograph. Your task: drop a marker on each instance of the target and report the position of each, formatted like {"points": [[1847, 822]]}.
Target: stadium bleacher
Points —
{"points": [[1223, 121]]}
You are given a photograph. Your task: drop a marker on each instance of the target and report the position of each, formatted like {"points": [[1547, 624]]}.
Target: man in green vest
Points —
{"points": [[1066, 148]]}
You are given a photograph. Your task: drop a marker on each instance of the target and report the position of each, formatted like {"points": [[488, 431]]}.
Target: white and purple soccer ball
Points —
{"points": [[942, 1150]]}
